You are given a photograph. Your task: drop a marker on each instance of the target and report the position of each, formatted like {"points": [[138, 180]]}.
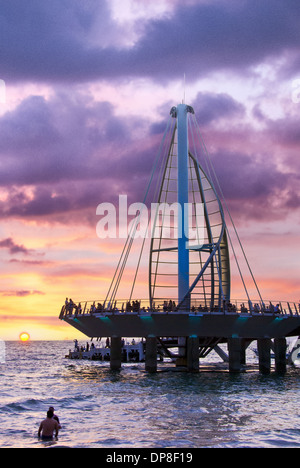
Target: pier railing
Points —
{"points": [[141, 307]]}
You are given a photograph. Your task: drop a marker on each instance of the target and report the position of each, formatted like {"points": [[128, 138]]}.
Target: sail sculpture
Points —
{"points": [[189, 268], [189, 257]]}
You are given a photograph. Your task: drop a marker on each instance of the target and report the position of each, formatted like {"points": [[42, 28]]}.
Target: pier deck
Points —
{"points": [[210, 324]]}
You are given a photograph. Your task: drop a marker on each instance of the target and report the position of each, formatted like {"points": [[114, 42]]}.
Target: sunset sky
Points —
{"points": [[89, 86]]}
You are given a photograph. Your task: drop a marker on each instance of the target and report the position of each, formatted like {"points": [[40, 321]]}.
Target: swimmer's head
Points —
{"points": [[50, 414]]}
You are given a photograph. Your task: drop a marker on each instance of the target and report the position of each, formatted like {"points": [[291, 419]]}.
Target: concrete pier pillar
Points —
{"points": [[264, 355], [193, 354], [243, 351], [115, 353], [236, 354], [182, 352], [151, 354], [280, 355]]}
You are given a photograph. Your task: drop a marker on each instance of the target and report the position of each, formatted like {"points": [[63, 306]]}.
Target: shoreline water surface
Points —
{"points": [[99, 408]]}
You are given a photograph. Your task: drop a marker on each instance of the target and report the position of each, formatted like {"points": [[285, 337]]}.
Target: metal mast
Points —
{"points": [[183, 200], [199, 271]]}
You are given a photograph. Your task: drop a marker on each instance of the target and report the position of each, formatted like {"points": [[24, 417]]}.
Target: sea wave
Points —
{"points": [[100, 408]]}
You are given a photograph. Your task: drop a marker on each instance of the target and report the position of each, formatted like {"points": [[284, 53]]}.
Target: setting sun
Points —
{"points": [[24, 336]]}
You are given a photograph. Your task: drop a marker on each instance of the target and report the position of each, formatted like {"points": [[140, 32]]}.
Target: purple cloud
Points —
{"points": [[21, 293], [13, 247], [212, 107], [65, 138], [73, 152], [61, 44], [31, 262], [74, 159]]}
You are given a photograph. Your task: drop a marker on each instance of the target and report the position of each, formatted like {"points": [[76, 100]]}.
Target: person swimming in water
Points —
{"points": [[55, 416], [48, 427]]}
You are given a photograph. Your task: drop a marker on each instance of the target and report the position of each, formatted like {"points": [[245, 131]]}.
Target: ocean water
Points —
{"points": [[99, 408]]}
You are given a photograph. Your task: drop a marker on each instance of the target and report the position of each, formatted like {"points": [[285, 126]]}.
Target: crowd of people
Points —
{"points": [[83, 348], [71, 308]]}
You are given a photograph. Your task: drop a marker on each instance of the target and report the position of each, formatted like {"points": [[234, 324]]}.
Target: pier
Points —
{"points": [[189, 308], [201, 332]]}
